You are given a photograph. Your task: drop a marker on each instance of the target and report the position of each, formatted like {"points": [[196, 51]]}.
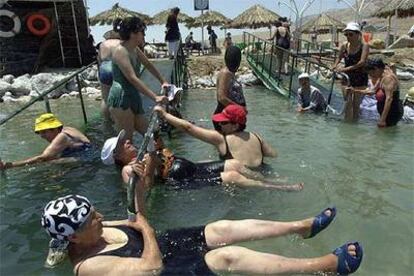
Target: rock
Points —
{"points": [[402, 75], [90, 74], [377, 44], [249, 79], [21, 85], [4, 87], [91, 91], [64, 96], [8, 78], [403, 42], [72, 85], [74, 94], [204, 81]]}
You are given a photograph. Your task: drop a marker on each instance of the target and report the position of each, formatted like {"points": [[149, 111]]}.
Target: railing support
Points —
{"points": [[81, 99]]}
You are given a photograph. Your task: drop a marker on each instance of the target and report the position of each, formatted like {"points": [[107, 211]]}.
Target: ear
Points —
{"points": [[73, 238]]}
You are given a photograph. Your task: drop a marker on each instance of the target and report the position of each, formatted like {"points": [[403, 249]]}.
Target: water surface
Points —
{"points": [[366, 172]]}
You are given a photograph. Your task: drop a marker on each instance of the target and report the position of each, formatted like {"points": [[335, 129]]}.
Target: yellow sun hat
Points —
{"points": [[46, 121]]}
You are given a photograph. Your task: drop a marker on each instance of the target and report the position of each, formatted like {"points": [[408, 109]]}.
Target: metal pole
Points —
{"points": [[81, 99], [264, 55], [271, 58], [202, 32], [291, 76], [87, 16], [75, 25], [59, 35]]}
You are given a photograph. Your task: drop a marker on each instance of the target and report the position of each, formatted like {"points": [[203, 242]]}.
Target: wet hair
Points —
{"points": [[129, 25], [242, 127], [373, 63], [232, 58]]}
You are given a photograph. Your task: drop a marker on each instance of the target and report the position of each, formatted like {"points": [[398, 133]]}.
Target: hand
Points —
{"points": [[381, 124], [5, 165], [349, 89], [160, 110], [138, 168], [161, 99], [140, 223]]}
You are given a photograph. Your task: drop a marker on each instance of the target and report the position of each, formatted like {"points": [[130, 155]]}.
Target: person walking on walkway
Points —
{"points": [[173, 35]]}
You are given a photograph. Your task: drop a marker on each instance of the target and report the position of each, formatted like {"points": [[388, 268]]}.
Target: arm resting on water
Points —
{"points": [[52, 151]]}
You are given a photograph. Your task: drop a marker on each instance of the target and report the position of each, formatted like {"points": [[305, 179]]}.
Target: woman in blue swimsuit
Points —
{"points": [[96, 247], [64, 142]]}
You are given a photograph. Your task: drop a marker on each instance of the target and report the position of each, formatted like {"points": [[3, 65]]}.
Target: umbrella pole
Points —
{"points": [[202, 32]]}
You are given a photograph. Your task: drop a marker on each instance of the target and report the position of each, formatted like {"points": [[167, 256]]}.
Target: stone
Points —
{"points": [[21, 86], [8, 78], [402, 75], [4, 87]]}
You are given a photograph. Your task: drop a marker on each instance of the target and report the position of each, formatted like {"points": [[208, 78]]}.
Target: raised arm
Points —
{"points": [[52, 151], [150, 67], [207, 135], [121, 58]]}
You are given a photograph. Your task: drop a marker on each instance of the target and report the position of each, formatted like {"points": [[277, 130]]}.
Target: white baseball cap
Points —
{"points": [[172, 91], [303, 76], [110, 145], [353, 26]]}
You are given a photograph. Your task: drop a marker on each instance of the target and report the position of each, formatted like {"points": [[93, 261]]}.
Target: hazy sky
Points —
{"points": [[230, 8]]}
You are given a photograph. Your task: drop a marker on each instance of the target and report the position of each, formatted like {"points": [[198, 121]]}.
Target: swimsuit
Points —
{"points": [[182, 249], [79, 147], [105, 72], [182, 173], [228, 154], [123, 94], [357, 77], [396, 109]]}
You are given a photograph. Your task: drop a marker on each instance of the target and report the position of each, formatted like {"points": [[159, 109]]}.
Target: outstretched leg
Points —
{"points": [[225, 232], [234, 177], [237, 259]]}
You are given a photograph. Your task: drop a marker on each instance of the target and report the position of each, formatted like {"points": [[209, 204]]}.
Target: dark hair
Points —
{"points": [[373, 63], [242, 127], [128, 25], [175, 10], [232, 58]]}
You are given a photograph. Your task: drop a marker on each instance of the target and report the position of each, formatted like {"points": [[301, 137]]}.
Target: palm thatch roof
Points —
{"points": [[161, 17], [322, 24], [107, 17], [404, 8], [256, 16], [212, 18]]}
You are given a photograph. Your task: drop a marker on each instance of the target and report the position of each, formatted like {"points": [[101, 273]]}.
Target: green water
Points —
{"points": [[365, 171]]}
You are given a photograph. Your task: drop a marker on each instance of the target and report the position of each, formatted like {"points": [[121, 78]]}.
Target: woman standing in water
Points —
{"points": [[355, 53], [124, 100], [229, 90]]}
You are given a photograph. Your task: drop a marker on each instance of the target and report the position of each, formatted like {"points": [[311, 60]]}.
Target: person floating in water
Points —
{"points": [[233, 142], [309, 97], [64, 142], [179, 172], [97, 247]]}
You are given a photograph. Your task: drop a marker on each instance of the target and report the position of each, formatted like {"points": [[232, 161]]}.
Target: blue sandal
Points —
{"points": [[347, 263], [322, 221]]}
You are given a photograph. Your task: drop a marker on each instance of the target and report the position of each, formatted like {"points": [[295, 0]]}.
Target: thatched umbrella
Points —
{"points": [[401, 8], [322, 24], [108, 17], [161, 17], [255, 17], [212, 18]]}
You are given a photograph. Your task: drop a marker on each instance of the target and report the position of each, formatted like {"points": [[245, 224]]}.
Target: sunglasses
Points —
{"points": [[349, 34], [224, 123]]}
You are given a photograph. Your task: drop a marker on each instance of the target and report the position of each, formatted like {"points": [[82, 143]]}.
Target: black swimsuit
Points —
{"points": [[357, 77], [228, 154], [186, 174], [77, 150], [182, 250]]}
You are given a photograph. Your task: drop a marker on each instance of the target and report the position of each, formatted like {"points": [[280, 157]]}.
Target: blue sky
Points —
{"points": [[230, 8]]}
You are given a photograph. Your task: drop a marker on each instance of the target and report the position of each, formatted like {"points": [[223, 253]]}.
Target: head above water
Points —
{"points": [[232, 58], [234, 114], [111, 146], [46, 121], [126, 26], [66, 215], [175, 10]]}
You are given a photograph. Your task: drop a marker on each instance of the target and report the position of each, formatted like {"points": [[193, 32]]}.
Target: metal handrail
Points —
{"points": [[294, 56], [50, 90]]}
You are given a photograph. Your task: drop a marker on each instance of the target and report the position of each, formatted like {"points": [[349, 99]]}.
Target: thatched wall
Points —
{"points": [[28, 53]]}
